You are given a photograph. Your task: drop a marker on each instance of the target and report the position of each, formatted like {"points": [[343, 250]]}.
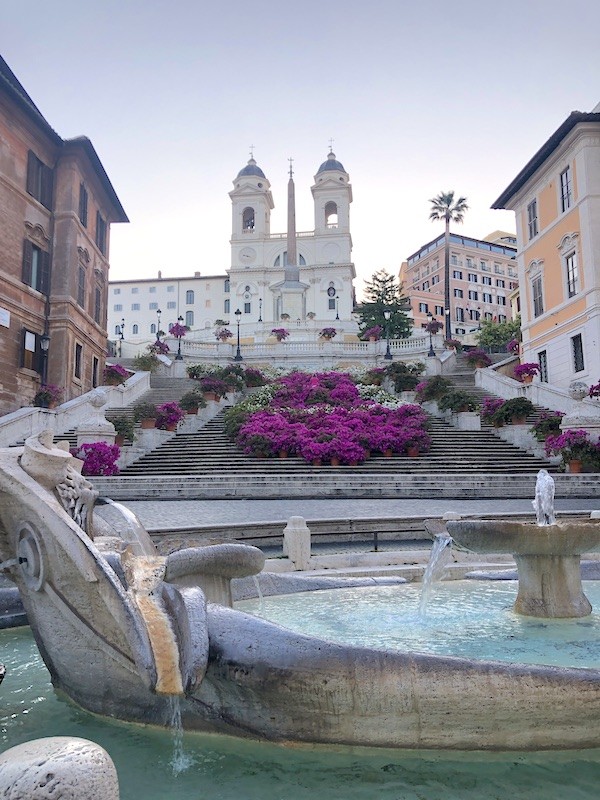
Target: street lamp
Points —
{"points": [[388, 353], [430, 320], [158, 313], [238, 355], [121, 337], [337, 307], [260, 309], [179, 357], [45, 345]]}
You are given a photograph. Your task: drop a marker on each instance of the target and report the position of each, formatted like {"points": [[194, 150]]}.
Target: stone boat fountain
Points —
{"points": [[123, 631]]}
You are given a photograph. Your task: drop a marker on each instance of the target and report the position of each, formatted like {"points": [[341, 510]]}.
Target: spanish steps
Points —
{"points": [[210, 453]]}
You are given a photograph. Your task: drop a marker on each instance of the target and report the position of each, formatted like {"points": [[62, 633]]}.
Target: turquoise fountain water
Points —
{"points": [[153, 764]]}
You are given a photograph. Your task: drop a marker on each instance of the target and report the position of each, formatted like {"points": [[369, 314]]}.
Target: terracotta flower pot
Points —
{"points": [[172, 426], [372, 338], [316, 462], [335, 461], [388, 453], [210, 396], [119, 440], [283, 454], [519, 420], [412, 452], [527, 378], [147, 423], [575, 466]]}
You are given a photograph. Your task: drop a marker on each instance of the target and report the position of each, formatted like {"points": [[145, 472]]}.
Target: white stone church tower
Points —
{"points": [[305, 275]]}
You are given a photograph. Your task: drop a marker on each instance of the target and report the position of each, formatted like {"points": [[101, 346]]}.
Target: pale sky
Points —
{"points": [[419, 97]]}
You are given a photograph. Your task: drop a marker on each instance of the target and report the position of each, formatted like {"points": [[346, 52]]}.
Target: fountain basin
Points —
{"points": [[123, 630], [548, 559]]}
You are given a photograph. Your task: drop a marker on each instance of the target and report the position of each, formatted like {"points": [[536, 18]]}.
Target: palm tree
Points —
{"points": [[445, 207]]}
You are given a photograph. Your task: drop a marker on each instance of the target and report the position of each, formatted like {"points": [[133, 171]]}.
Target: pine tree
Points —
{"points": [[383, 293]]}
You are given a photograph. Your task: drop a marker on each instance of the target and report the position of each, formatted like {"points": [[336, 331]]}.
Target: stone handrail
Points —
{"points": [[25, 422]]}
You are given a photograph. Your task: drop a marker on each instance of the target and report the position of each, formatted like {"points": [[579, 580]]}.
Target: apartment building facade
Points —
{"points": [[483, 275], [56, 205], [556, 200]]}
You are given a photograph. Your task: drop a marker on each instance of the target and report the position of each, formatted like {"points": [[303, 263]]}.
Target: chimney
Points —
{"points": [[159, 274], [196, 274]]}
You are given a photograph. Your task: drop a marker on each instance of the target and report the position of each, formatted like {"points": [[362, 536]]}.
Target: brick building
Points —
{"points": [[56, 207]]}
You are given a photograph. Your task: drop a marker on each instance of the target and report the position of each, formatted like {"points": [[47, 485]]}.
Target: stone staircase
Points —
{"points": [[210, 453]]}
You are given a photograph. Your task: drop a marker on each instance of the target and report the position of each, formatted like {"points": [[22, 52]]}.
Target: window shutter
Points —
{"points": [[22, 357], [27, 259], [31, 171], [44, 286], [47, 185]]}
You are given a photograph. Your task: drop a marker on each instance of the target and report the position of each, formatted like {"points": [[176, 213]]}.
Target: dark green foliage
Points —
{"points": [[496, 335], [434, 388], [144, 411], [457, 401], [405, 377], [383, 293], [192, 401]]}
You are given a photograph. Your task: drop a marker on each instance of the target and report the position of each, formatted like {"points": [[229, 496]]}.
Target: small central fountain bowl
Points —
{"points": [[526, 538], [547, 556]]}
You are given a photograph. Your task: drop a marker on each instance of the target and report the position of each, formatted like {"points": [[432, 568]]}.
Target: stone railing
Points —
{"points": [[25, 422]]}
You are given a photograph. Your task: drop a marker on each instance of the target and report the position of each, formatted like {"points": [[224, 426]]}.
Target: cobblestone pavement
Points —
{"points": [[170, 514]]}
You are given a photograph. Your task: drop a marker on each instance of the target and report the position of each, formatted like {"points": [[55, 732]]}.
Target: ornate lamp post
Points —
{"points": [[238, 355], [45, 345], [121, 337], [388, 353], [158, 313], [179, 357], [337, 307], [430, 319], [260, 309]]}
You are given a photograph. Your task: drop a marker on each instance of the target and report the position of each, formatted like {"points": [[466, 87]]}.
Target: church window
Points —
{"points": [[247, 308], [227, 286], [189, 297], [135, 329], [277, 262], [248, 219], [152, 328], [189, 318], [331, 215], [227, 306]]}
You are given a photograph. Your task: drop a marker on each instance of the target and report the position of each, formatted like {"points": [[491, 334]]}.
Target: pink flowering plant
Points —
{"points": [[527, 370], [177, 330], [477, 357], [323, 416], [168, 414], [376, 332], [489, 408], [434, 326], [208, 383], [280, 334], [115, 374], [47, 394], [572, 445], [327, 333], [99, 458], [223, 334], [513, 346], [159, 348], [594, 390]]}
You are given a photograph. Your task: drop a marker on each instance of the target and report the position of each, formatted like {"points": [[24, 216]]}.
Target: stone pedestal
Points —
{"points": [[296, 542], [466, 421], [550, 587]]}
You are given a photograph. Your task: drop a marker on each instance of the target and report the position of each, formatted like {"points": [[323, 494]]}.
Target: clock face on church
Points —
{"points": [[247, 255]]}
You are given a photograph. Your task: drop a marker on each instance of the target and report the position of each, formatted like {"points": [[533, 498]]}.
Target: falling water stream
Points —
{"points": [[441, 552], [180, 761]]}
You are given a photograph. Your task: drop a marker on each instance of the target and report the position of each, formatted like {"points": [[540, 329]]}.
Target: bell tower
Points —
{"points": [[252, 203], [332, 195]]}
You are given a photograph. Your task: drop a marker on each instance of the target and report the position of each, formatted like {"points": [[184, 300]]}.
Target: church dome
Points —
{"points": [[251, 168], [331, 163]]}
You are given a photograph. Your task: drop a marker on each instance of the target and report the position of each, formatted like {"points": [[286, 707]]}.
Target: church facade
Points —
{"points": [[299, 280]]}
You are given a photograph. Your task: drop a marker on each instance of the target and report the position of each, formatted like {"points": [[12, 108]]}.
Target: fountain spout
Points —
{"points": [[543, 504]]}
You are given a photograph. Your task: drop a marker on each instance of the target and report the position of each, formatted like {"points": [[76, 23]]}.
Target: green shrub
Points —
{"points": [[457, 401]]}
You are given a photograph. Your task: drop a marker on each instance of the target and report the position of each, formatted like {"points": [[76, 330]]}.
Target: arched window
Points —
{"points": [[189, 297], [117, 330], [248, 219], [227, 306], [153, 328], [208, 324], [135, 330], [277, 262], [189, 318], [227, 286], [331, 214]]}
